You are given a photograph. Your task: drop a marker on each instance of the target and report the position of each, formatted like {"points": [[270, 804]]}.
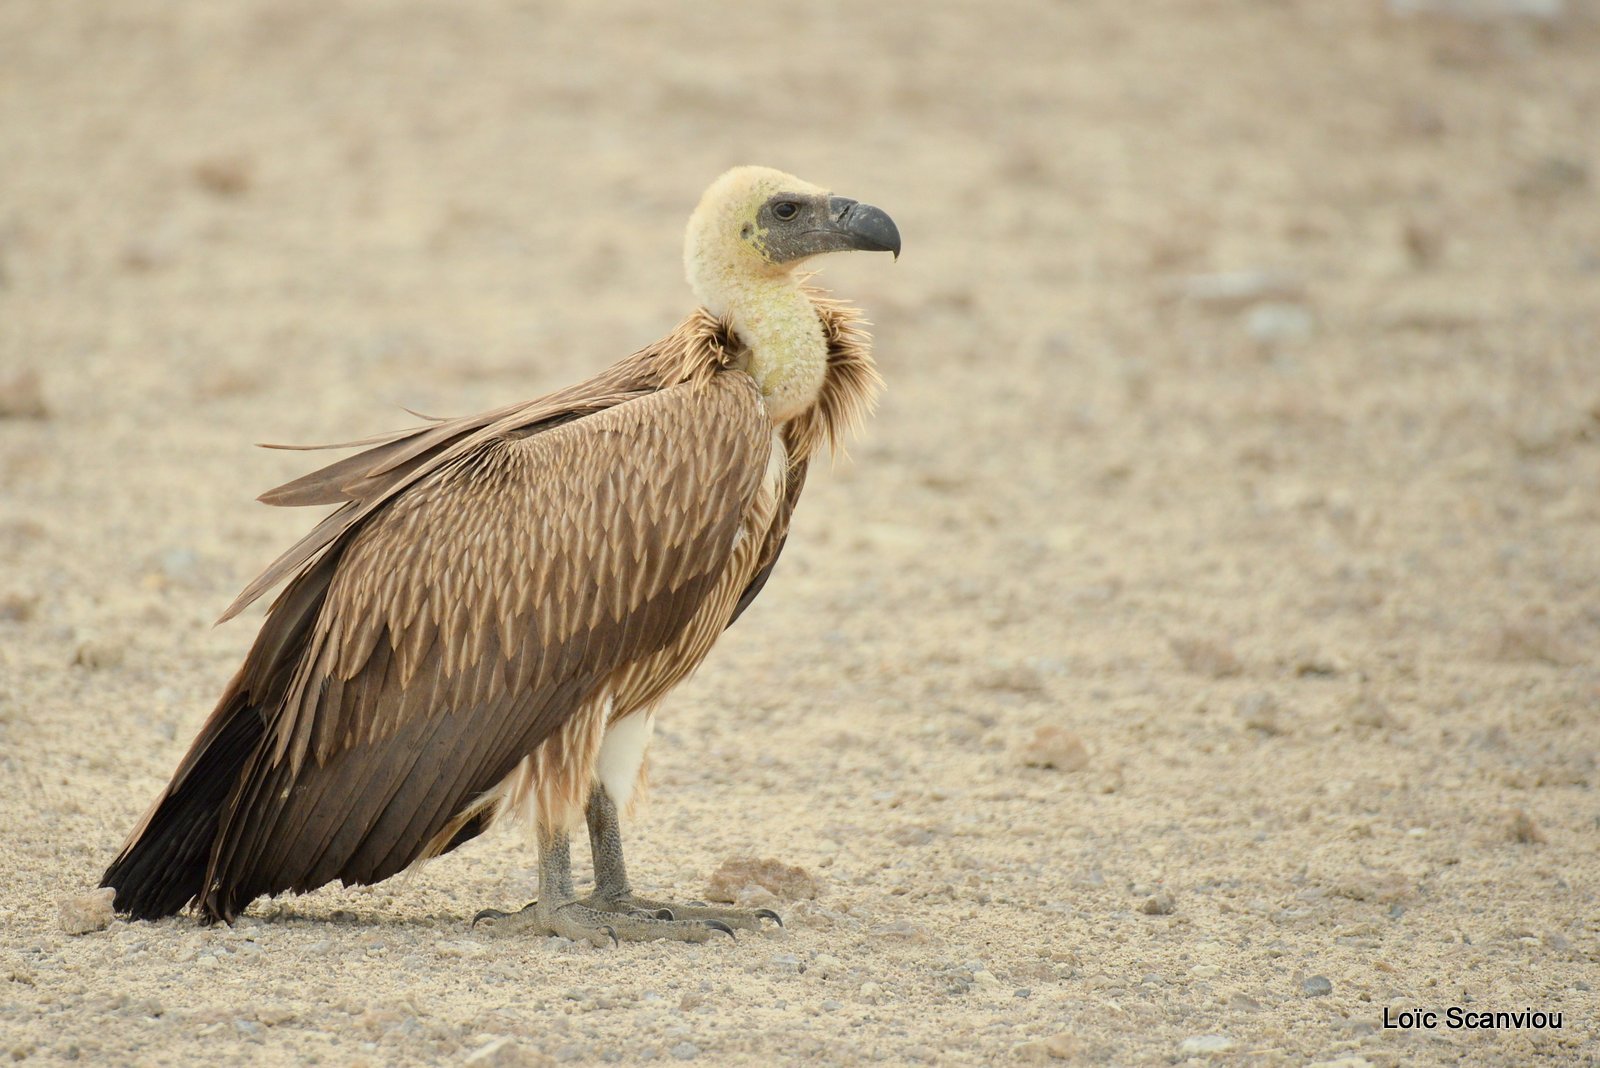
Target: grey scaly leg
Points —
{"points": [[558, 912], [614, 895]]}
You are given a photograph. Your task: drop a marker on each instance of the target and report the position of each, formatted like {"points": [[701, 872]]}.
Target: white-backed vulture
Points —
{"points": [[485, 625]]}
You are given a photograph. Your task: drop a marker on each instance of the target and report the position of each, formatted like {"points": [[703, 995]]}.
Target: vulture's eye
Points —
{"points": [[786, 209]]}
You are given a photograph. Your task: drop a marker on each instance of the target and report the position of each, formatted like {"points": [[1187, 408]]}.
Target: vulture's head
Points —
{"points": [[755, 222]]}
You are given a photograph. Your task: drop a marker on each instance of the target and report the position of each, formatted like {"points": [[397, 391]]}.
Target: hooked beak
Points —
{"points": [[862, 226]]}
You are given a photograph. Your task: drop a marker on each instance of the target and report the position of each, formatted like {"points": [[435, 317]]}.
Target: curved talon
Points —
{"points": [[698, 905], [496, 914], [612, 931], [664, 914], [768, 914], [718, 925]]}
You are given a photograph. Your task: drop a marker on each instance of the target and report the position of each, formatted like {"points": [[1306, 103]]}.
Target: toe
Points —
{"points": [[525, 915]]}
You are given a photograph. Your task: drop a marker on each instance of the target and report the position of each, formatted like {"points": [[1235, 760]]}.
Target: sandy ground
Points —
{"points": [[1243, 432]]}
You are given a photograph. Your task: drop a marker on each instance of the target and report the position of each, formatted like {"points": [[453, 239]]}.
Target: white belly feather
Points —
{"points": [[622, 755]]}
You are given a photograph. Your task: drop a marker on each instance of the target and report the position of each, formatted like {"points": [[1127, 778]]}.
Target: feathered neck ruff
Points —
{"points": [[704, 345]]}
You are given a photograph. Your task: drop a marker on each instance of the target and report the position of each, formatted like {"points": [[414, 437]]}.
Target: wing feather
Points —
{"points": [[424, 682]]}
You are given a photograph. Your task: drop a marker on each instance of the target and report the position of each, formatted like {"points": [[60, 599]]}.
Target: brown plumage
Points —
{"points": [[490, 597]]}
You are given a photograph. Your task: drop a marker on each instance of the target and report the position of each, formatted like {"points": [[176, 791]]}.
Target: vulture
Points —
{"points": [[485, 625]]}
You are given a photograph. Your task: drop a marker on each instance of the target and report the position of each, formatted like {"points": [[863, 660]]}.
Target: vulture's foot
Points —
{"points": [[564, 920], [613, 894], [632, 904], [579, 922]]}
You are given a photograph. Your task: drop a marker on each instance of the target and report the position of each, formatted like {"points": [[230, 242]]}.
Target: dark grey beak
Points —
{"points": [[868, 229]]}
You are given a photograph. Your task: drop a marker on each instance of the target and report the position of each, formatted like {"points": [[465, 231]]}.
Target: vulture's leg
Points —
{"points": [[614, 895], [558, 912]]}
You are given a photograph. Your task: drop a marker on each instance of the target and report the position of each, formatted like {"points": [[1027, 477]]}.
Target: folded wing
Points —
{"points": [[470, 595]]}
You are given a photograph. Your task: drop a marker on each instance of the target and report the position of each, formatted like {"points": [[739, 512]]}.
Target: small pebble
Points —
{"points": [[18, 607], [1202, 1045], [1386, 888], [911, 836], [1280, 323], [1062, 1046], [685, 1051], [786, 881], [1160, 904], [1537, 638], [903, 930], [1054, 747], [1239, 289], [502, 1052], [144, 1007], [825, 965], [1522, 830], [1014, 678], [757, 897], [1259, 710], [223, 176], [1059, 1047], [178, 562], [1207, 656], [1318, 986], [1316, 663], [21, 397], [1371, 712], [87, 912], [97, 654]]}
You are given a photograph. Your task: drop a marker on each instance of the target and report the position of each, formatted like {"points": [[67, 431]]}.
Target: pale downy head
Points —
{"points": [[757, 223]]}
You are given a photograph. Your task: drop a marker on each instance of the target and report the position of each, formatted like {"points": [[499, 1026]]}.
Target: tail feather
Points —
{"points": [[163, 867]]}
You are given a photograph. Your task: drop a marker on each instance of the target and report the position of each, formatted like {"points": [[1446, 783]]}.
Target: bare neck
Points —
{"points": [[775, 318]]}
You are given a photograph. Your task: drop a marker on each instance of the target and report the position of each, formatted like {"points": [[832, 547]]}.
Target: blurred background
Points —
{"points": [[1243, 416]]}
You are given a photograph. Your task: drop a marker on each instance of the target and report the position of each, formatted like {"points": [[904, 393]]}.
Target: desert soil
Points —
{"points": [[1195, 658]]}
